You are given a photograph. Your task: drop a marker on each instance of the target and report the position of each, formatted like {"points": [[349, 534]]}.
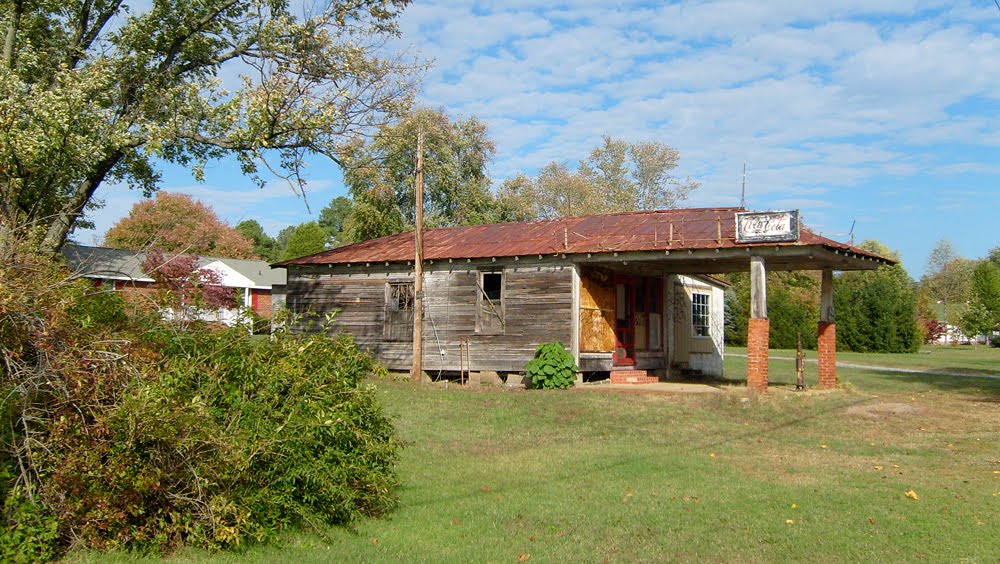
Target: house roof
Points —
{"points": [[119, 264], [105, 263], [692, 229]]}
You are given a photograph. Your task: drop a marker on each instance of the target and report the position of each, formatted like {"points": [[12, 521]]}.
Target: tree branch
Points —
{"points": [[178, 43], [73, 208], [85, 36], [15, 25]]}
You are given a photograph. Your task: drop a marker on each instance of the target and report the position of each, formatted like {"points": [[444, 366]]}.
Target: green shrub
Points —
{"points": [[28, 533], [136, 435], [233, 441], [100, 307], [552, 367]]}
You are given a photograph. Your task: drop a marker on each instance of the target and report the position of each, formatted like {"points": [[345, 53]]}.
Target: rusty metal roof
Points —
{"points": [[656, 230]]}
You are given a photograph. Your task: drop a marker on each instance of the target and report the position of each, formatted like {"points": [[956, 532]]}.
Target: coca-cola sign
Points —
{"points": [[763, 227]]}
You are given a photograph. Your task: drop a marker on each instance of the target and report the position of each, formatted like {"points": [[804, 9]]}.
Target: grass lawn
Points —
{"points": [[592, 476]]}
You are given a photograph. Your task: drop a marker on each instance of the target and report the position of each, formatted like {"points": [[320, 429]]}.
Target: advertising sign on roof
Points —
{"points": [[765, 227]]}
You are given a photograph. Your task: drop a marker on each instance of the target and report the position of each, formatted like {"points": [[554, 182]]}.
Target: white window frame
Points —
{"points": [[701, 311]]}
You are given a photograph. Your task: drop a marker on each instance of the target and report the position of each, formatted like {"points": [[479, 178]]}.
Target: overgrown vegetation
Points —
{"points": [[552, 367], [590, 476], [121, 431]]}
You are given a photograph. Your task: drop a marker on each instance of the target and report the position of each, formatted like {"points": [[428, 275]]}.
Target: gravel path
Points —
{"points": [[890, 368]]}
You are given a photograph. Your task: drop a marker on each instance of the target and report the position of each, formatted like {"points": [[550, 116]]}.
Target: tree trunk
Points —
{"points": [[62, 223]]}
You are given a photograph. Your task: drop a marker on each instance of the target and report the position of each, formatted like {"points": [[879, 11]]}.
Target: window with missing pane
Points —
{"points": [[491, 313], [700, 315], [399, 311]]}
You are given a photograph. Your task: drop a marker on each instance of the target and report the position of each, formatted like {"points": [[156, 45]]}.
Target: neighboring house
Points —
{"points": [[628, 294], [952, 334], [121, 270]]}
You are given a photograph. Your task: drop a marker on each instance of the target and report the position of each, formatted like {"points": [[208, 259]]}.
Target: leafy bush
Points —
{"points": [[552, 367], [99, 308], [137, 435], [28, 533], [231, 442]]}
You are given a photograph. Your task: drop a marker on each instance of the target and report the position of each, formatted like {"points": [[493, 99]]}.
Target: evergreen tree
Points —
{"points": [[263, 245], [307, 239], [876, 311]]}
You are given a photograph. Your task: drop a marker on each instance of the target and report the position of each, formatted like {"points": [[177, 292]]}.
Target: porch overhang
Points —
{"points": [[733, 259]]}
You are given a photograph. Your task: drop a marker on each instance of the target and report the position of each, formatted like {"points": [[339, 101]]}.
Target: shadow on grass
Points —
{"points": [[967, 385]]}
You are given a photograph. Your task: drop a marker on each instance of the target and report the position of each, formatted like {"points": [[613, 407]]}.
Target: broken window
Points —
{"points": [[699, 314], [399, 311], [491, 315]]}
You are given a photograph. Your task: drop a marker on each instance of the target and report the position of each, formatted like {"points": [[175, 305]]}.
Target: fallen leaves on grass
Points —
{"points": [[523, 557], [912, 494], [789, 522], [628, 494]]}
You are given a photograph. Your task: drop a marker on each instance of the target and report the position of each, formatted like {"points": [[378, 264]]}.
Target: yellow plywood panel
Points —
{"points": [[597, 310], [596, 289], [596, 331]]}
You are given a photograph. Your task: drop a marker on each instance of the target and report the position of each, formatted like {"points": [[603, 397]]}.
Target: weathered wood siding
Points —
{"points": [[537, 306]]}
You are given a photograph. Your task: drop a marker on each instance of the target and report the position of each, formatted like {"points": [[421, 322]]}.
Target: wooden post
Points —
{"points": [[416, 370], [800, 365], [758, 288]]}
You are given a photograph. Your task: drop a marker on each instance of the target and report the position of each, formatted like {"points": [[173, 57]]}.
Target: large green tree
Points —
{"points": [[983, 314], [332, 218], [947, 281], [792, 307], [380, 175], [98, 91], [177, 223], [307, 239], [876, 310], [616, 176], [264, 245]]}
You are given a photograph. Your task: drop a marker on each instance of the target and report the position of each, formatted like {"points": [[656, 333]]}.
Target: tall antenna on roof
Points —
{"points": [[743, 189], [851, 233]]}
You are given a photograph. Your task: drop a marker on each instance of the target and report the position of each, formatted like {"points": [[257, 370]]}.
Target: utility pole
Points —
{"points": [[416, 370]]}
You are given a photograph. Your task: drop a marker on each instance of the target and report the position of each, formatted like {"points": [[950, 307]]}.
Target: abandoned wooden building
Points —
{"points": [[629, 294]]}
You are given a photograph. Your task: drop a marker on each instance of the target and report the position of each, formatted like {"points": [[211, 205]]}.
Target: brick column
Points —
{"points": [[758, 335], [759, 328], [827, 333], [827, 351]]}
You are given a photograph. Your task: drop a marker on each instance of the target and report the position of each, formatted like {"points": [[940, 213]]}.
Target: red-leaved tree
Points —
{"points": [[177, 223], [184, 286]]}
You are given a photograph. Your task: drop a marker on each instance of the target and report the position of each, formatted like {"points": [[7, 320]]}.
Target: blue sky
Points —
{"points": [[882, 112]]}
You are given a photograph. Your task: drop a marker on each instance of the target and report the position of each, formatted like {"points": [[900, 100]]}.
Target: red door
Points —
{"points": [[624, 321]]}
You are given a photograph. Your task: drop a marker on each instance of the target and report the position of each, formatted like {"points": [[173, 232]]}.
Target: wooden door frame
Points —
{"points": [[628, 328]]}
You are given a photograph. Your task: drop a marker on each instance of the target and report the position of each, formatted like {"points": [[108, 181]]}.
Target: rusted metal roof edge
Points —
{"points": [[494, 241]]}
